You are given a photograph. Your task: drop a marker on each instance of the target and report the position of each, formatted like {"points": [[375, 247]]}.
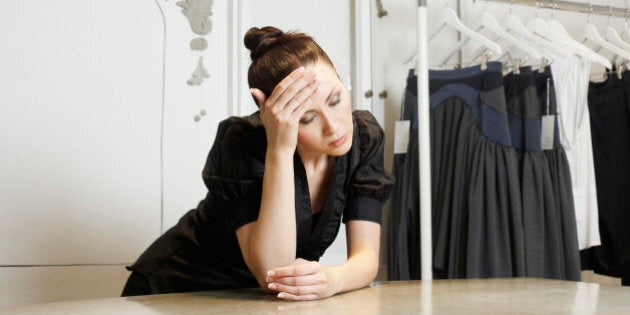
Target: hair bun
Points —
{"points": [[257, 40]]}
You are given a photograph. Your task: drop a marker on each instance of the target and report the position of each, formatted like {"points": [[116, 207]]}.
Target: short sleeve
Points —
{"points": [[370, 184], [234, 170]]}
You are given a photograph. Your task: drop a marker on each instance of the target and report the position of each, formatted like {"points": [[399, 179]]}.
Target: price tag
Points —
{"points": [[401, 136], [548, 127]]}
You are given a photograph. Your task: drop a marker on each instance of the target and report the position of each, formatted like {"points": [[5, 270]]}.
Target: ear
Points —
{"points": [[260, 97]]}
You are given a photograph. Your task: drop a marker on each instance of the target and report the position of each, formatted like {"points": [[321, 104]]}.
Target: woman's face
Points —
{"points": [[326, 128]]}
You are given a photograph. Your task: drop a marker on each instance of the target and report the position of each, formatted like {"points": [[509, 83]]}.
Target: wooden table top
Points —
{"points": [[462, 296]]}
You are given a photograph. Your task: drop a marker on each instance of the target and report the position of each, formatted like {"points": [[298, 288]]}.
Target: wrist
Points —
{"points": [[280, 156], [335, 274]]}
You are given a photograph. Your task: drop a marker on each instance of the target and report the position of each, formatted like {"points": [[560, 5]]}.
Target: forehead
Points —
{"points": [[326, 72]]}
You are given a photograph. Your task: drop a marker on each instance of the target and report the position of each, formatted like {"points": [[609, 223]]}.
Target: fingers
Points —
{"points": [[260, 96], [291, 297], [300, 280], [295, 270], [293, 90], [301, 293], [311, 279], [303, 100], [298, 292]]}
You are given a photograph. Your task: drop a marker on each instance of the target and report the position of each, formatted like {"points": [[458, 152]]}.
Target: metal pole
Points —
{"points": [[424, 147], [562, 5]]}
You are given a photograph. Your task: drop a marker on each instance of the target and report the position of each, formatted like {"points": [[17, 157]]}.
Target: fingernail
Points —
{"points": [[281, 295], [270, 273], [272, 286]]}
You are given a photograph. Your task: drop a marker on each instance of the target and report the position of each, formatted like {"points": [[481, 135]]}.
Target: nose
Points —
{"points": [[330, 123]]}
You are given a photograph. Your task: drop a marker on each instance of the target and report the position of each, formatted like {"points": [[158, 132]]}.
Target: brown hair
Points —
{"points": [[275, 54]]}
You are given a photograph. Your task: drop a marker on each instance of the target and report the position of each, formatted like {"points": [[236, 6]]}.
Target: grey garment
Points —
{"points": [[560, 174], [403, 251], [403, 259], [476, 205], [477, 218], [544, 256], [477, 223]]}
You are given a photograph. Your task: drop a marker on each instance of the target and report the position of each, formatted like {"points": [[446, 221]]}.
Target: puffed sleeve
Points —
{"points": [[234, 170], [370, 184]]}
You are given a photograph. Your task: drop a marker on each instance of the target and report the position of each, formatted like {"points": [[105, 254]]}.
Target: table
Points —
{"points": [[462, 296]]}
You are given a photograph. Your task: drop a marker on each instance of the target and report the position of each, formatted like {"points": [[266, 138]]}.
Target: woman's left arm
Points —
{"points": [[310, 280]]}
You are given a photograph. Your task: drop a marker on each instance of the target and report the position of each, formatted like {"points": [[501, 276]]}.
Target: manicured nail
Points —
{"points": [[270, 273], [272, 286], [281, 295]]}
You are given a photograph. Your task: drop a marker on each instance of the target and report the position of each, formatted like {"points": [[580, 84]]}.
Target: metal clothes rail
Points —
{"points": [[561, 5]]}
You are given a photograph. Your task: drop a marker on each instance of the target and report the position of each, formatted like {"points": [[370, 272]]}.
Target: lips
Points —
{"points": [[339, 142]]}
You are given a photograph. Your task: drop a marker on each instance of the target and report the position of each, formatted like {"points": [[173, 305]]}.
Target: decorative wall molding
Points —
{"points": [[198, 43], [199, 74], [198, 13]]}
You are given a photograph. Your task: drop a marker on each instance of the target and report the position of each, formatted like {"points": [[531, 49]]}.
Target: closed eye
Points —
{"points": [[307, 119]]}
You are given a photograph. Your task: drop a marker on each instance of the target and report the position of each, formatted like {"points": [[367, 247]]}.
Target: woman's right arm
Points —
{"points": [[270, 241]]}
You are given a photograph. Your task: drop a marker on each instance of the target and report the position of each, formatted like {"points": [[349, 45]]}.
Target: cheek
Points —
{"points": [[306, 136], [347, 114]]}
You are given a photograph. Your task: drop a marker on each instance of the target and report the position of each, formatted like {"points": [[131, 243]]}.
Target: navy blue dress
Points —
{"points": [[201, 251]]}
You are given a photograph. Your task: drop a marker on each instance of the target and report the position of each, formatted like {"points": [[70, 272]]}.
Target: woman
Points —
{"points": [[279, 183]]}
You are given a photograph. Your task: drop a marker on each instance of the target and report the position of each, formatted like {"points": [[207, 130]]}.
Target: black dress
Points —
{"points": [[201, 251], [609, 107]]}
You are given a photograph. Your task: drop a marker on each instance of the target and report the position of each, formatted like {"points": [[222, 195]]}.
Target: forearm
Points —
{"points": [[273, 240], [357, 272]]}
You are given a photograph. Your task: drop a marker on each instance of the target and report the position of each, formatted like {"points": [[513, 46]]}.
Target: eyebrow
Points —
{"points": [[332, 91]]}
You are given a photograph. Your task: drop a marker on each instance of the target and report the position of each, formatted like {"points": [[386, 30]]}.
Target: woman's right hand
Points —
{"points": [[281, 112]]}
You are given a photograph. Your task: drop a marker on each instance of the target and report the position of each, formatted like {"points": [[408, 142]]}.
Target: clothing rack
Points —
{"points": [[422, 71], [561, 5]]}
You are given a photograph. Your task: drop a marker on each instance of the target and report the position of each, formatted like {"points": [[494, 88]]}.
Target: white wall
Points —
{"points": [[80, 112], [86, 85]]}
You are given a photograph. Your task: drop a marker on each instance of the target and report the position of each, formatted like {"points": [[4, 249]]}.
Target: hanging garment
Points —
{"points": [[542, 227], [560, 175], [609, 108], [571, 78], [477, 219], [403, 258], [476, 203]]}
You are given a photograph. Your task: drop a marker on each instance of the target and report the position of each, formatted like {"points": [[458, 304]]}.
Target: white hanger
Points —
{"points": [[555, 31], [590, 34], [450, 18], [558, 30], [489, 22], [514, 24], [626, 31], [614, 37]]}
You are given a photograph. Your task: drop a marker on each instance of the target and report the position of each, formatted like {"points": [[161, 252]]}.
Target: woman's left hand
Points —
{"points": [[301, 280]]}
